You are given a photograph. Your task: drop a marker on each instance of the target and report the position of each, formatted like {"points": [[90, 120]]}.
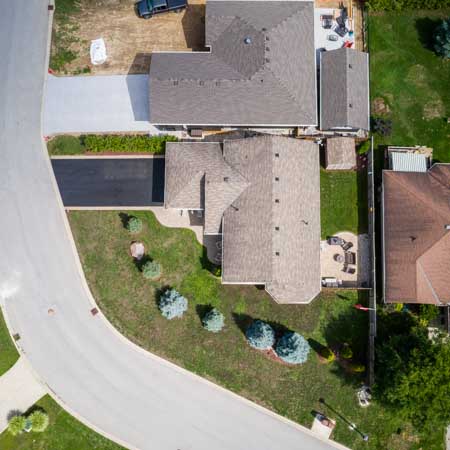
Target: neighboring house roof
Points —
{"points": [[260, 70], [340, 153], [416, 210], [197, 177], [408, 162], [344, 89], [270, 205]]}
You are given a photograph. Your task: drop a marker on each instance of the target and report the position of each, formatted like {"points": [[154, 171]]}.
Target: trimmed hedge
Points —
{"points": [[132, 144], [293, 348], [151, 270], [442, 39], [399, 5], [134, 224], [260, 335], [213, 321], [172, 304]]}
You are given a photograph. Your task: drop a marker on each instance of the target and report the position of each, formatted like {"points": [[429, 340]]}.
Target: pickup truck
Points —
{"points": [[147, 8]]}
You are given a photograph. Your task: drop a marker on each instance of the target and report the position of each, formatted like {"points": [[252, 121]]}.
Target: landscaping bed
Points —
{"points": [[8, 352], [409, 82], [130, 301]]}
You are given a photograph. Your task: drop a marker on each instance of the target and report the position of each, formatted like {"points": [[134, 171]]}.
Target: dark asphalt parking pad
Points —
{"points": [[110, 182]]}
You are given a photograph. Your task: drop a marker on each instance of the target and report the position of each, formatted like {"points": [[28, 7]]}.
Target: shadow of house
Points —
{"points": [[140, 64], [193, 23], [138, 90], [426, 27]]}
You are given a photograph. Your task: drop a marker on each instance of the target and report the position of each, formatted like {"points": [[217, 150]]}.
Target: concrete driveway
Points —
{"points": [[116, 388], [110, 182], [94, 104]]}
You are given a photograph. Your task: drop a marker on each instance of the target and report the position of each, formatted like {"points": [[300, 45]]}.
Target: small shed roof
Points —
{"points": [[408, 162], [340, 153]]}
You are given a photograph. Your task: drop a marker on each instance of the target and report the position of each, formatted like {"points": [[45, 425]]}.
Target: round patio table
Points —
{"points": [[339, 258]]}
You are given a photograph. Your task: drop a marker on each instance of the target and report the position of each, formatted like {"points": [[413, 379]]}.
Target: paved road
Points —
{"points": [[90, 104], [124, 392], [120, 182]]}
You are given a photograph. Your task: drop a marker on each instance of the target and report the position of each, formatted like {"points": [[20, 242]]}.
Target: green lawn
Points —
{"points": [[411, 79], [63, 433], [130, 303], [343, 202], [8, 352]]}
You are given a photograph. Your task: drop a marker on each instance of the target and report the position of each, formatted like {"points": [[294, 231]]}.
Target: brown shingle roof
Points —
{"points": [[416, 241], [340, 153]]}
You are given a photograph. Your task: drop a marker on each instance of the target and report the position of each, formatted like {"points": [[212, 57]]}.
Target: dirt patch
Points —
{"points": [[433, 109], [380, 107], [417, 75], [130, 40]]}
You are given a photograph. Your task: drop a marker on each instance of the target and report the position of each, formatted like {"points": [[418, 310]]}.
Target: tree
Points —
{"points": [[151, 270], [442, 39], [172, 304], [412, 371], [293, 348], [39, 421], [213, 320], [346, 351], [134, 225], [260, 335], [17, 424]]}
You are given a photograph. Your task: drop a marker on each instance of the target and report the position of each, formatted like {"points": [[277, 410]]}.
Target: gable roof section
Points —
{"points": [[344, 83], [272, 235], [416, 242], [239, 83]]}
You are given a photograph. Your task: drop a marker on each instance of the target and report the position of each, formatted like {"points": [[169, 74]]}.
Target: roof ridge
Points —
{"points": [[287, 18], [194, 178]]}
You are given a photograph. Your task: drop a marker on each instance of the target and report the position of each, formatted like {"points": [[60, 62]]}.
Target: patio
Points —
{"points": [[333, 260]]}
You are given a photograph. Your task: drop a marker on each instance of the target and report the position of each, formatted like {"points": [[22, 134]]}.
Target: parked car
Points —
{"points": [[147, 8]]}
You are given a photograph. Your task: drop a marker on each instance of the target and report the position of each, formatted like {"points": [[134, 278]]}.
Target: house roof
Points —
{"points": [[249, 76], [344, 81], [340, 153], [197, 177], [272, 235], [416, 241]]}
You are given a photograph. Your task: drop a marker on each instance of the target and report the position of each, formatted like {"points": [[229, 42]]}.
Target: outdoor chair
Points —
{"points": [[349, 270], [347, 246], [350, 258], [335, 240]]}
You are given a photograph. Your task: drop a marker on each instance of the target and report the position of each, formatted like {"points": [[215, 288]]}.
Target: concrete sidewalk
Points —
{"points": [[19, 390]]}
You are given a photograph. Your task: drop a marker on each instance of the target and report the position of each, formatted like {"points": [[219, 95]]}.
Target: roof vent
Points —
{"points": [[175, 82], [277, 228], [350, 66], [277, 179], [277, 253], [226, 178], [350, 105], [412, 238], [201, 83], [247, 40], [277, 155], [447, 226], [277, 200], [267, 49], [263, 29], [267, 60]]}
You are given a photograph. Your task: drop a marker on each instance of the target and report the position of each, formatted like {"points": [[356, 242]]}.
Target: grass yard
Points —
{"points": [[130, 303], [410, 79], [8, 352], [343, 202], [63, 433]]}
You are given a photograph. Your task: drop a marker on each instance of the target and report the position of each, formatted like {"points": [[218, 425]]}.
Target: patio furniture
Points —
{"points": [[349, 270], [331, 282], [327, 21], [338, 258], [332, 38], [335, 240], [347, 246], [341, 30], [219, 245], [350, 258]]}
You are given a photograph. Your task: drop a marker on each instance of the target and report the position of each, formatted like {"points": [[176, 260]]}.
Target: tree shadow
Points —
{"points": [[208, 265], [316, 346], [139, 263], [425, 27], [124, 218], [13, 413], [202, 310], [159, 292], [243, 321]]}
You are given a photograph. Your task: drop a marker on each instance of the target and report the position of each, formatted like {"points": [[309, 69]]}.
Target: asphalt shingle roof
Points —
{"points": [[344, 96], [260, 70]]}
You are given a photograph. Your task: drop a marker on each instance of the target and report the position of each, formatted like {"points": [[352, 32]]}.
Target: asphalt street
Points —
{"points": [[113, 386], [110, 182]]}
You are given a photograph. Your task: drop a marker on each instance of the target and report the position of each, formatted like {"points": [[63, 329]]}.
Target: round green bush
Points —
{"points": [[213, 321], [151, 270], [346, 352], [442, 39], [357, 368], [293, 348], [172, 304], [260, 335], [327, 354], [17, 424], [39, 421], [134, 225]]}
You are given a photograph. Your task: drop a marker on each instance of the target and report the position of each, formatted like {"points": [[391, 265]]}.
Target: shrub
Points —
{"points": [[327, 354], [357, 368], [260, 335], [428, 312], [399, 5], [346, 351], [172, 304], [213, 321], [65, 145], [151, 269], [293, 348], [382, 126], [398, 307], [134, 225], [17, 424], [364, 147], [442, 39], [127, 144], [217, 271], [39, 421]]}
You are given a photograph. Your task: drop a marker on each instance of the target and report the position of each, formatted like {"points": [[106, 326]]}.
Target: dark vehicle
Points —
{"points": [[147, 8]]}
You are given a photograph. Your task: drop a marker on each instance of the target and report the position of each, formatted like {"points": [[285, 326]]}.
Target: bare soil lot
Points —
{"points": [[129, 39]]}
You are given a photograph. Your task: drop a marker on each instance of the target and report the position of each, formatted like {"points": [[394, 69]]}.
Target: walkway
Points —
{"points": [[116, 388], [19, 390]]}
